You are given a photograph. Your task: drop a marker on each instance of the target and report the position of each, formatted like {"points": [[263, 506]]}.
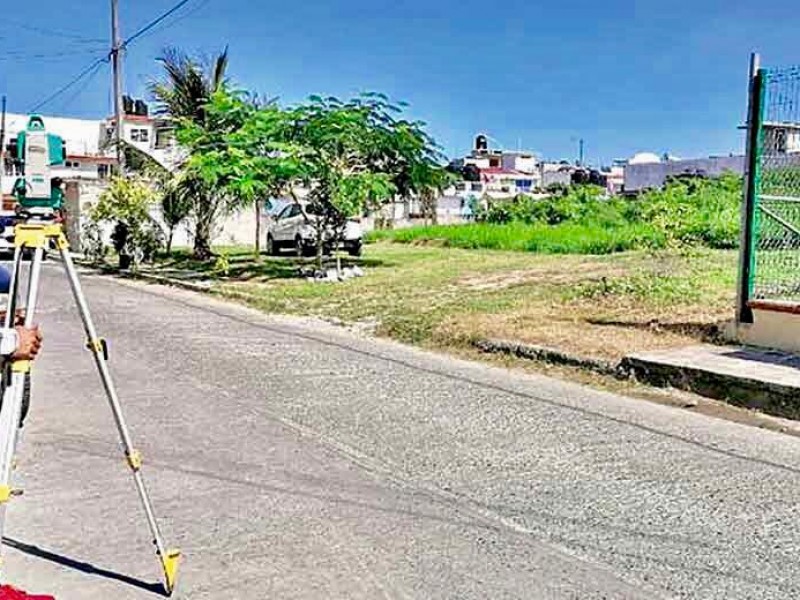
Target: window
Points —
{"points": [[460, 186], [290, 211], [476, 187], [164, 138], [780, 141], [140, 135], [102, 171]]}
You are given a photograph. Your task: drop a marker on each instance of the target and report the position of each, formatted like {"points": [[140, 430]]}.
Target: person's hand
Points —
{"points": [[19, 318], [29, 342]]}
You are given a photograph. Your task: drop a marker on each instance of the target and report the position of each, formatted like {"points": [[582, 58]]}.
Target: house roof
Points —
{"points": [[106, 160], [132, 119], [502, 171]]}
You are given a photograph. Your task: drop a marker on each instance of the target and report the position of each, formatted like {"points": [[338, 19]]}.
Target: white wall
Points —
{"points": [[772, 329]]}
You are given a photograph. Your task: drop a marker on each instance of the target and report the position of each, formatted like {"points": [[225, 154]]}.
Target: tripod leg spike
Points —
{"points": [[170, 563]]}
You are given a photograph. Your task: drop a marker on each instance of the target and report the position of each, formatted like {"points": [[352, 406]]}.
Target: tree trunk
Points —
{"points": [[205, 216], [169, 240], [202, 240], [258, 228], [320, 249]]}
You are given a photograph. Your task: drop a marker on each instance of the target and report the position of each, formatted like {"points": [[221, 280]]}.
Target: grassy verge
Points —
{"points": [[443, 298], [566, 238]]}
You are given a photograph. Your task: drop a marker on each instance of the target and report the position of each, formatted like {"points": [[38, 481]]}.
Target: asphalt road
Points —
{"points": [[293, 460]]}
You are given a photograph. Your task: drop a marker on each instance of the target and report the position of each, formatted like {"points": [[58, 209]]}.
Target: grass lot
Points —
{"points": [[565, 238], [444, 297]]}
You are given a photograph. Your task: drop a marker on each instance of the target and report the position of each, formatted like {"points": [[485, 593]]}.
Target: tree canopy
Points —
{"points": [[351, 155]]}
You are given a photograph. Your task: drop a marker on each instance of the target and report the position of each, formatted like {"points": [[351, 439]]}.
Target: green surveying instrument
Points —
{"points": [[35, 151], [39, 228]]}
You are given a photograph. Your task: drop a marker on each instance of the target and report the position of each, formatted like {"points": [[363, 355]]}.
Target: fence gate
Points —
{"points": [[770, 268]]}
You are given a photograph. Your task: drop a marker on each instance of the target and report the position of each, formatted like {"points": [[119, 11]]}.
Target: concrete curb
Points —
{"points": [[769, 397], [163, 280], [548, 355]]}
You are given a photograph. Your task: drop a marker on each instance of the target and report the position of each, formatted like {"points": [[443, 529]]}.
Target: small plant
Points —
{"points": [[126, 204], [149, 240], [222, 265], [92, 242]]}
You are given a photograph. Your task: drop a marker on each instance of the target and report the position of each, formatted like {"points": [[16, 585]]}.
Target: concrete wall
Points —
{"points": [[639, 177], [772, 329]]}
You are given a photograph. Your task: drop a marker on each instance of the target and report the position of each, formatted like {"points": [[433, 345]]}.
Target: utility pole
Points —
{"points": [[580, 152], [116, 63], [2, 144]]}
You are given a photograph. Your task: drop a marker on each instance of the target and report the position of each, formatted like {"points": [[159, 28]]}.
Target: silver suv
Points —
{"points": [[293, 227]]}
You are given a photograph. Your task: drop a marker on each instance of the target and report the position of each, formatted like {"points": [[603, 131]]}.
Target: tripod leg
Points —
{"points": [[13, 287], [13, 396], [169, 558]]}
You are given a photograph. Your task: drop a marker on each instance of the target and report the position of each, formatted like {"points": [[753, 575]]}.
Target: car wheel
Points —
{"points": [[356, 249], [272, 247]]}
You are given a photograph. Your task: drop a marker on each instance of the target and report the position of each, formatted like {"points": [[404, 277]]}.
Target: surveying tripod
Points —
{"points": [[37, 236]]}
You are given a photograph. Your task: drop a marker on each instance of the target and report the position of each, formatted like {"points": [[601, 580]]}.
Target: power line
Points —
{"points": [[56, 56], [83, 87], [177, 19], [91, 69], [155, 22], [88, 70], [54, 32]]}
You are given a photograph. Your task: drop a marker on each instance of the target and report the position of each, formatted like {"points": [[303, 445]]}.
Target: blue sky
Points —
{"points": [[625, 75]]}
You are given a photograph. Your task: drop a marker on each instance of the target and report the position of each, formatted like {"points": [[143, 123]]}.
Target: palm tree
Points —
{"points": [[186, 88]]}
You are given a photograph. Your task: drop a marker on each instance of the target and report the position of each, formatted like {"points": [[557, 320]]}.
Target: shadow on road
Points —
{"points": [[84, 567]]}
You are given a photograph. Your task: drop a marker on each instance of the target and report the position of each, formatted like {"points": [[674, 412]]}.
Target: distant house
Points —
{"points": [[647, 171], [499, 172]]}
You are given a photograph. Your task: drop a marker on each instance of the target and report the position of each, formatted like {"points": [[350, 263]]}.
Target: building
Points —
{"points": [[498, 173], [91, 158], [781, 138], [556, 173], [85, 158], [647, 171]]}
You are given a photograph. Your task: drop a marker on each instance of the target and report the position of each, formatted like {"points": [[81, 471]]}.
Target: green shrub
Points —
{"points": [[566, 238], [686, 213]]}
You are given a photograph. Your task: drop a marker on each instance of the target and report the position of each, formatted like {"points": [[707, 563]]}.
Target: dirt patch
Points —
{"points": [[545, 275], [592, 330]]}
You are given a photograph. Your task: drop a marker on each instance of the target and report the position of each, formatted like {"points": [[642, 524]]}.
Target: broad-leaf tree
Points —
{"points": [[350, 156]]}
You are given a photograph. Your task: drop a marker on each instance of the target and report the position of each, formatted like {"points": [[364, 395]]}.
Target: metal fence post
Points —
{"points": [[743, 312]]}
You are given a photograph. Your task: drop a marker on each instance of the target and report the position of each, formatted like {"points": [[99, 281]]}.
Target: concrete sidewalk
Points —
{"points": [[763, 379]]}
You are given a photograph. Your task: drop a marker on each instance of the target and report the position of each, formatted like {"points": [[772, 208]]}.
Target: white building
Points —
{"points": [[91, 159], [501, 173], [85, 160]]}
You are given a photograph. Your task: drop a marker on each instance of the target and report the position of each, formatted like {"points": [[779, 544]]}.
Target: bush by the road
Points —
{"points": [[582, 221]]}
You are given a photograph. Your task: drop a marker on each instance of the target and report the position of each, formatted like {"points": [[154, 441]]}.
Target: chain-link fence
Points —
{"points": [[775, 273]]}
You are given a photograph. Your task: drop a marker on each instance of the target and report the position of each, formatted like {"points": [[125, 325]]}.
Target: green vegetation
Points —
{"points": [[351, 156], [566, 238], [693, 212]]}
